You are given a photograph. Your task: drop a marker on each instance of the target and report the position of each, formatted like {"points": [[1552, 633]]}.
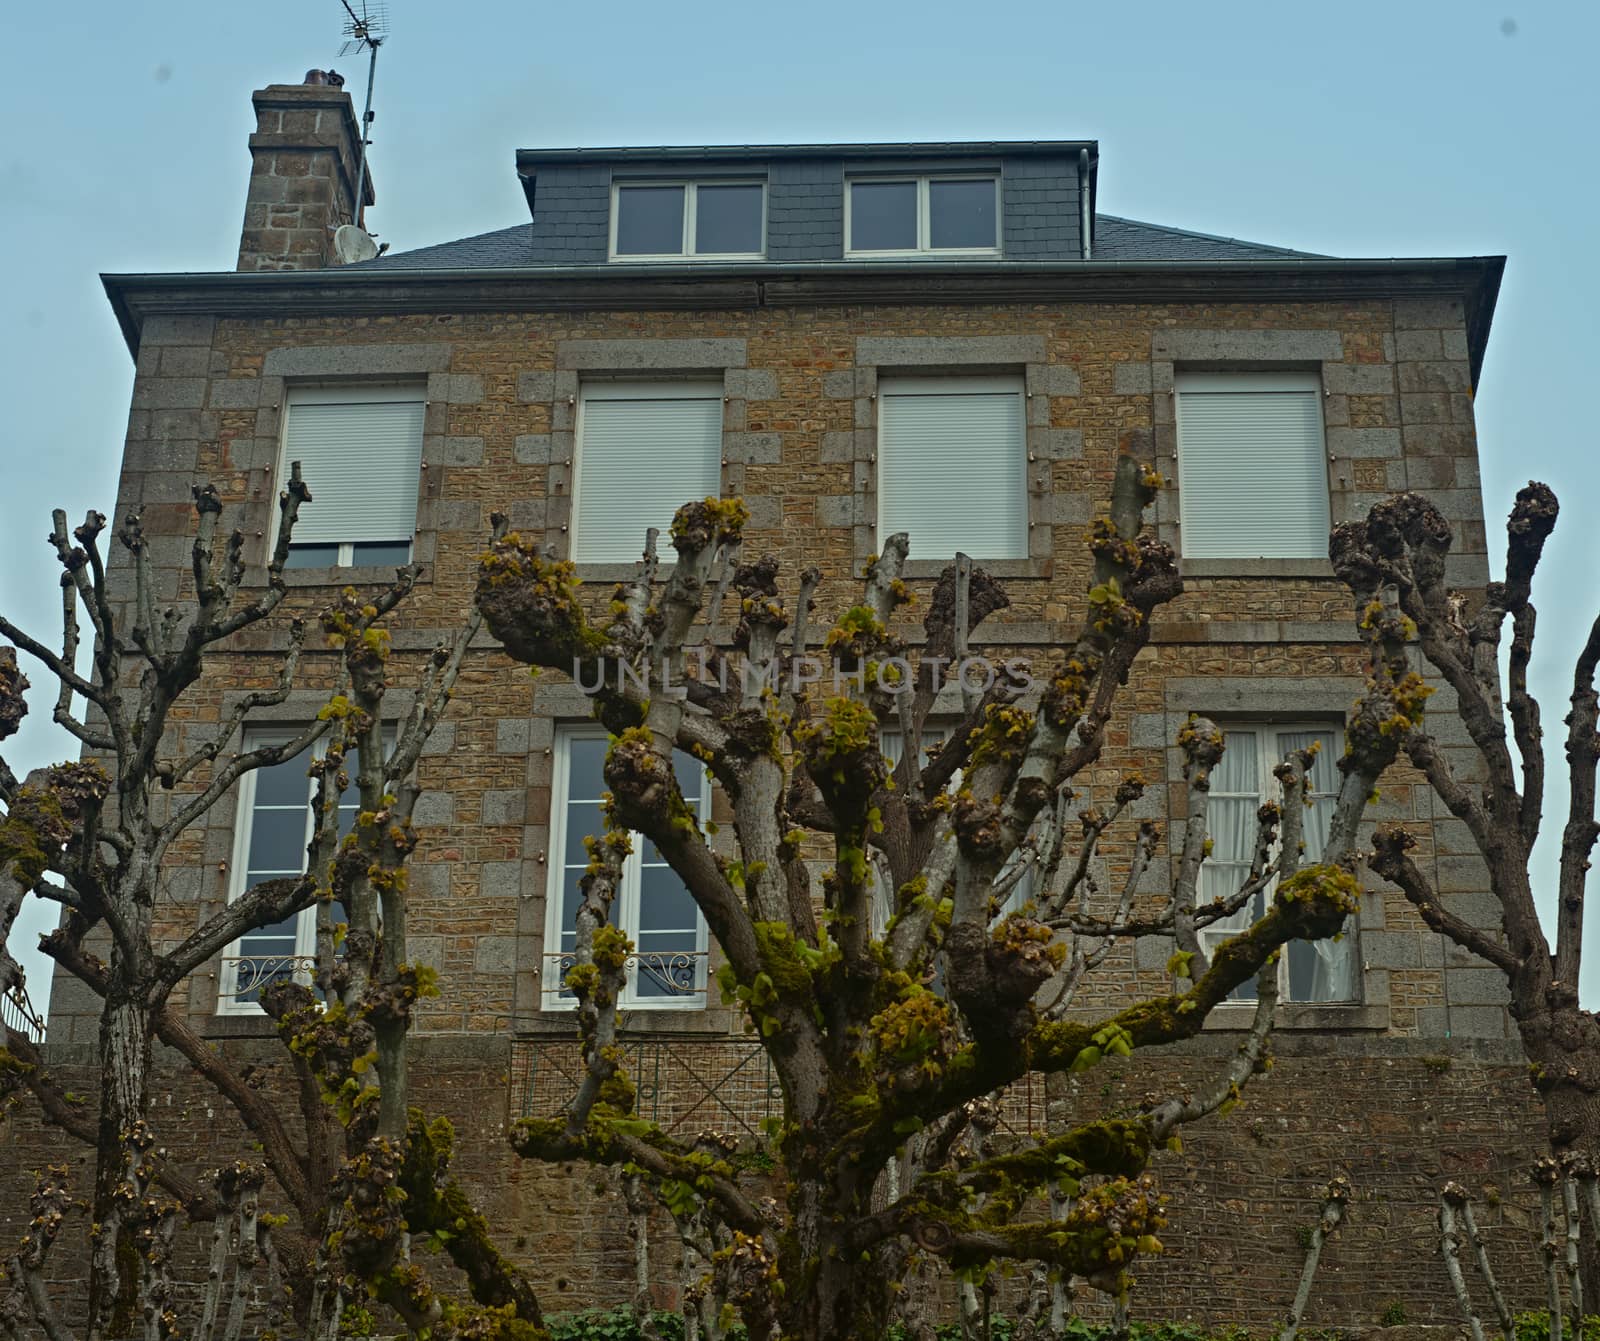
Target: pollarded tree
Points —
{"points": [[93, 835], [882, 1042], [1394, 564]]}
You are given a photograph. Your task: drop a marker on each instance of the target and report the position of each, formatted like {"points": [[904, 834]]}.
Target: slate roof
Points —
{"points": [[1116, 239], [502, 249]]}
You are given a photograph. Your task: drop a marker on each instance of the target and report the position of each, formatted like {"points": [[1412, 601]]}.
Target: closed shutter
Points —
{"points": [[952, 466], [1252, 470], [360, 451], [645, 449]]}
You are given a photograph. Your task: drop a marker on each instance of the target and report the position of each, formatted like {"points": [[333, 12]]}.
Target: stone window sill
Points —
{"points": [[712, 1022], [375, 576], [239, 1026], [1008, 569], [1256, 568], [1302, 1016], [592, 573]]}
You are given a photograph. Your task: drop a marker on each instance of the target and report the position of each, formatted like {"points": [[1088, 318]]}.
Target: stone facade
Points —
{"points": [[1249, 639]]}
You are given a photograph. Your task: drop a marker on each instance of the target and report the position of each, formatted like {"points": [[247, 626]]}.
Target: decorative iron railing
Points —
{"points": [[16, 1009], [670, 978], [687, 1085], [694, 1083], [243, 976]]}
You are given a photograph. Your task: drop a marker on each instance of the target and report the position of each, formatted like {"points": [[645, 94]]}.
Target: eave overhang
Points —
{"points": [[354, 291]]}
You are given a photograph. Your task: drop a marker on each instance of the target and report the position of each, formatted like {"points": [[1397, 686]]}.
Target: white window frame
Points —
{"points": [[924, 246], [305, 945], [552, 989], [643, 390], [691, 193], [322, 393], [1270, 752], [1247, 381], [955, 386]]}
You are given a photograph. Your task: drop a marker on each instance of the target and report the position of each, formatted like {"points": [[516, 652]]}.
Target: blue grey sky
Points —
{"points": [[1363, 129]]}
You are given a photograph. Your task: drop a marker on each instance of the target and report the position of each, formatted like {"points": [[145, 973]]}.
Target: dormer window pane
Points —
{"points": [[961, 214], [883, 216], [924, 216], [650, 221], [728, 220]]}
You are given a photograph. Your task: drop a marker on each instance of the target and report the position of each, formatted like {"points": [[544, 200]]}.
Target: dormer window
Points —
{"points": [[653, 221], [939, 215]]}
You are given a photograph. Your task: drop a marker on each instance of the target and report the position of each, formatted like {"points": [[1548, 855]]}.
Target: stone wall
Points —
{"points": [[1247, 638], [1394, 1118]]}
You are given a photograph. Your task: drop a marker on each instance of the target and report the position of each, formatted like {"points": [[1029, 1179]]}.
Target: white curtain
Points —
{"points": [[1333, 971]]}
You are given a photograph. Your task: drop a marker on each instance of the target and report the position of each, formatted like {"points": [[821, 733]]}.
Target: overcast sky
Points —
{"points": [[1363, 129]]}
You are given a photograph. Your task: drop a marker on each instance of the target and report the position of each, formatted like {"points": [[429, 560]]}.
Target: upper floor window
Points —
{"points": [[667, 969], [272, 832], [657, 220], [910, 216], [952, 465], [360, 451], [1252, 468], [1325, 970], [644, 450]]}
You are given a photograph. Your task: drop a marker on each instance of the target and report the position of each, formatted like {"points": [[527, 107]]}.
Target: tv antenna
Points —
{"points": [[365, 31]]}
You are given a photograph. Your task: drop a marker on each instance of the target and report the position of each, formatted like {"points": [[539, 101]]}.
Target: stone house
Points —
{"points": [[834, 332]]}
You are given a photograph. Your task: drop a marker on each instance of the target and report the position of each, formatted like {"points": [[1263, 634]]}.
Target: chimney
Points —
{"points": [[305, 159]]}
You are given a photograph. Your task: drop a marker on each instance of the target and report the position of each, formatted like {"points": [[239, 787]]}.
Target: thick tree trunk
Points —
{"points": [[846, 1299], [124, 1093], [844, 1294], [1564, 1045]]}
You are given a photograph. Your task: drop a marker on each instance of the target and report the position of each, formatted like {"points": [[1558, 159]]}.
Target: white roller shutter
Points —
{"points": [[952, 466], [644, 450], [1252, 469], [360, 451]]}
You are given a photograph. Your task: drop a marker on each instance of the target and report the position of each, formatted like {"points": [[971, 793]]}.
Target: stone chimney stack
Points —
{"points": [[305, 158]]}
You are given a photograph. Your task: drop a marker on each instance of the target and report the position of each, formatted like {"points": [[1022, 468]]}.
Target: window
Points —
{"points": [[360, 451], [668, 967], [911, 216], [952, 466], [1324, 970], [644, 450], [653, 221], [270, 839], [1252, 469]]}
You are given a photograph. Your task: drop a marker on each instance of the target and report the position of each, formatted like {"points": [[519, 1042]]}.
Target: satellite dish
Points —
{"points": [[352, 243]]}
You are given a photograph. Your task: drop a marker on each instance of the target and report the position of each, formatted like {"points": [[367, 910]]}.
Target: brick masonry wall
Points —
{"points": [[1397, 1121]]}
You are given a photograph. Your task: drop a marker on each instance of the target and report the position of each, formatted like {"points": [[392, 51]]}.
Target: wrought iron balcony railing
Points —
{"points": [[18, 1013], [243, 976], [666, 978]]}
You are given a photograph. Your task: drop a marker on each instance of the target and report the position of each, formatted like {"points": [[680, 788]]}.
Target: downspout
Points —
{"points": [[1084, 217]]}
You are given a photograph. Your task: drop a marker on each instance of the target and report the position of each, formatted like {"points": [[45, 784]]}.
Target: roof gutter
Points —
{"points": [[528, 159], [343, 291]]}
